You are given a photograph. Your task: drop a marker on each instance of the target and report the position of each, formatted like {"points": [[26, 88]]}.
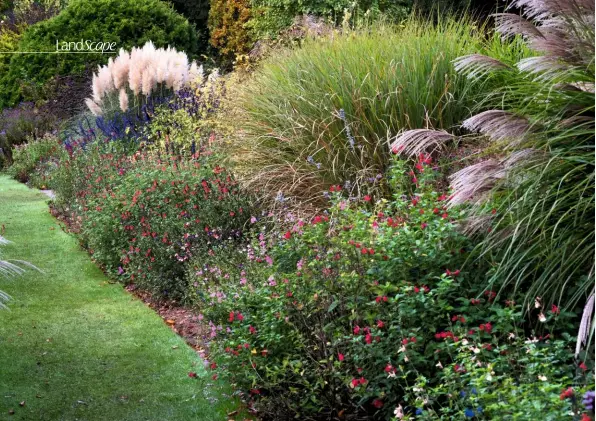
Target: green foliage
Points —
{"points": [[9, 40], [272, 16], [540, 230], [197, 13], [142, 216], [35, 160], [325, 113], [345, 313], [128, 23], [526, 378]]}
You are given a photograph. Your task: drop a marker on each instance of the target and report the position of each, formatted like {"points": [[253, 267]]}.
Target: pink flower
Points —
{"points": [[367, 198], [356, 330], [340, 356], [380, 324]]}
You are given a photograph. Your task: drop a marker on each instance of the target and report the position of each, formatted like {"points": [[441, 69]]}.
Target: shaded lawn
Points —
{"points": [[75, 347]]}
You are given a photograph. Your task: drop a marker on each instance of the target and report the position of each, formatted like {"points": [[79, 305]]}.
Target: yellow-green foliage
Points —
{"points": [[228, 26], [192, 118], [9, 41]]}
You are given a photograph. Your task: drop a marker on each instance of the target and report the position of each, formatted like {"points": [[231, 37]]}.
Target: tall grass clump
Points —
{"points": [[323, 114], [535, 200]]}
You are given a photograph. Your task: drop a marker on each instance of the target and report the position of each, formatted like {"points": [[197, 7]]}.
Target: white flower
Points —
{"points": [[542, 317], [511, 335], [464, 342], [399, 412], [439, 365], [537, 302], [542, 378]]}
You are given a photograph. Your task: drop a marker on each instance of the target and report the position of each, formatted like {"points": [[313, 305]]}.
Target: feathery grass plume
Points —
{"points": [[123, 99], [414, 142], [142, 72], [544, 67], [9, 269], [93, 107], [471, 183], [587, 321], [499, 125], [542, 233], [476, 66], [511, 25]]}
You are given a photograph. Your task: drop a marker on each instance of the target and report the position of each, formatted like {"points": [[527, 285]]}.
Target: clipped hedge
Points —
{"points": [[128, 23]]}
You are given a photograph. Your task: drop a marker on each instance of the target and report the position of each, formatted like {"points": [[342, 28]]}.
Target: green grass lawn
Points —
{"points": [[75, 347]]}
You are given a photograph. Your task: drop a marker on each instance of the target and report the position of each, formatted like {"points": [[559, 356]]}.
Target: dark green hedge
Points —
{"points": [[128, 23]]}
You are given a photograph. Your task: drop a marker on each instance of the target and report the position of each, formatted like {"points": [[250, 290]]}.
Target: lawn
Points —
{"points": [[76, 347]]}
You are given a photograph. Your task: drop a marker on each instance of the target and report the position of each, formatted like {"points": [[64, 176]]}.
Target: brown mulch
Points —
{"points": [[183, 321]]}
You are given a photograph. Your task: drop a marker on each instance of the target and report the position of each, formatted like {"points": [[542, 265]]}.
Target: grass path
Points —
{"points": [[75, 347]]}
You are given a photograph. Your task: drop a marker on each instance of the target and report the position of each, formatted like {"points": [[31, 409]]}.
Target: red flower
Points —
{"points": [[404, 341], [240, 317], [413, 339], [586, 417], [356, 330], [192, 374], [474, 301], [367, 198], [377, 403], [380, 324], [389, 369], [288, 235], [555, 310], [340, 356], [565, 394], [583, 366], [423, 225], [368, 338], [231, 319], [486, 327], [355, 382], [416, 289], [213, 366], [252, 330]]}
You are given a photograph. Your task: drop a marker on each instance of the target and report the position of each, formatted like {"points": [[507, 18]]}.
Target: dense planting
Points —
{"points": [[390, 222]]}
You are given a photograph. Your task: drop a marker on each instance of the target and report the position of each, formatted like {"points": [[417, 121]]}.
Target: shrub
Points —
{"points": [[323, 114], [19, 124], [128, 23], [342, 315], [156, 215], [227, 27], [536, 216], [32, 159], [271, 16]]}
